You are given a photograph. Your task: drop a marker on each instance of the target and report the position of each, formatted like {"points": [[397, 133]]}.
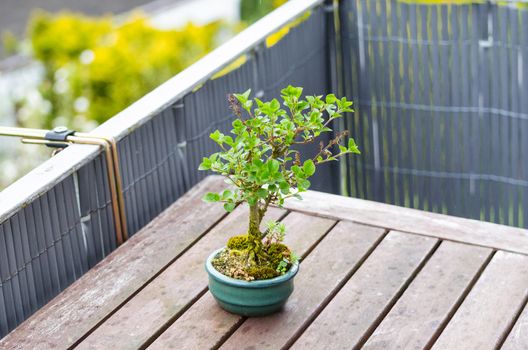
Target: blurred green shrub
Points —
{"points": [[252, 10], [95, 67], [9, 43]]}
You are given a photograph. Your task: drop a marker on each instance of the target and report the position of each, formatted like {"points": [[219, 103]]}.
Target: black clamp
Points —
{"points": [[59, 134]]}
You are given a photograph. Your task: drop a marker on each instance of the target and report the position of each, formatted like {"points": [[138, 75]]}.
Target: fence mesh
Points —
{"points": [[441, 116]]}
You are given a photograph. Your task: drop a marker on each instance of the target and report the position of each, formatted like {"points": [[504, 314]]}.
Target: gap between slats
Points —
{"points": [[459, 302], [241, 321], [160, 271]]}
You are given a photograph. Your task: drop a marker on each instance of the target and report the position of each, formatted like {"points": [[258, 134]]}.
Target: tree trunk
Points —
{"points": [[254, 235]]}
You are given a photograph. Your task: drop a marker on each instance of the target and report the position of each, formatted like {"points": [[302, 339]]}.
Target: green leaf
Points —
{"points": [[246, 94], [242, 98], [228, 140], [216, 136], [273, 166], [304, 184], [309, 167], [237, 124], [330, 98], [262, 193], [206, 164], [275, 105], [291, 91], [229, 207], [297, 171], [284, 187], [211, 197], [227, 194], [352, 147]]}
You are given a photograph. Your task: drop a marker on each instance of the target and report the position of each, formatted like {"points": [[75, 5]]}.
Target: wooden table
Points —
{"points": [[372, 275]]}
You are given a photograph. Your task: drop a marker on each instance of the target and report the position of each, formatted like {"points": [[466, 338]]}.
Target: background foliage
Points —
{"points": [[252, 10], [95, 67]]}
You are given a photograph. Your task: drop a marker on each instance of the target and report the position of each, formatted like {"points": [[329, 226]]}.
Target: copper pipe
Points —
{"points": [[117, 170], [38, 136]]}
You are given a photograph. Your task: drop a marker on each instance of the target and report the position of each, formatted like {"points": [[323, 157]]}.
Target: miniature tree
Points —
{"points": [[265, 168]]}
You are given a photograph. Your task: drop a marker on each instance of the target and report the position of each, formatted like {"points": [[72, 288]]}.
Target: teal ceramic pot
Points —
{"points": [[253, 298]]}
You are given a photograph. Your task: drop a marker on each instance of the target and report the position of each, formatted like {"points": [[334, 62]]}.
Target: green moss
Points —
{"points": [[262, 272], [239, 242], [235, 262], [277, 252]]}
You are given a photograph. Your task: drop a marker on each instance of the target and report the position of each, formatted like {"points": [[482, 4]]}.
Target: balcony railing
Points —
{"points": [[440, 118]]}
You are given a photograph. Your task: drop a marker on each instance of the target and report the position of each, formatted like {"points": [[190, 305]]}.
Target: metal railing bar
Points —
{"points": [[40, 136]]}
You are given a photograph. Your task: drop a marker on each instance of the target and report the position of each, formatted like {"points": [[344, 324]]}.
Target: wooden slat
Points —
{"points": [[490, 308], [518, 337], [303, 233], [414, 221], [167, 295], [322, 273], [369, 294], [74, 312], [430, 299]]}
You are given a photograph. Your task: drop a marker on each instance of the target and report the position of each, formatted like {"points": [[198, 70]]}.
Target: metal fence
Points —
{"points": [[57, 222], [442, 110], [441, 121]]}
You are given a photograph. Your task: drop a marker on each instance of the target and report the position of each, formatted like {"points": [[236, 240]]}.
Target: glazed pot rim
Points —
{"points": [[248, 284]]}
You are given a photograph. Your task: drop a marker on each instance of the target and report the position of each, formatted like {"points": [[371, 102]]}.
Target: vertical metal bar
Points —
{"points": [[23, 307], [524, 109], [445, 100], [49, 248], [7, 286], [505, 140], [19, 230], [515, 160], [387, 112], [484, 104], [6, 304], [437, 126], [396, 10], [347, 35], [467, 197], [334, 168], [417, 125], [475, 185], [455, 119], [428, 117], [495, 93], [364, 118]]}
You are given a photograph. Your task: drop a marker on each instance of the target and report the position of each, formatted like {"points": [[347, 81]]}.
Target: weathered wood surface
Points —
{"points": [[185, 280], [321, 274], [518, 337], [73, 313], [370, 293], [303, 233], [445, 279], [373, 276], [485, 316], [412, 220]]}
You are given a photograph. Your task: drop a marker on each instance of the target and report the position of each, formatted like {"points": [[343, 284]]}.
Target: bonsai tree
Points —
{"points": [[264, 166]]}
